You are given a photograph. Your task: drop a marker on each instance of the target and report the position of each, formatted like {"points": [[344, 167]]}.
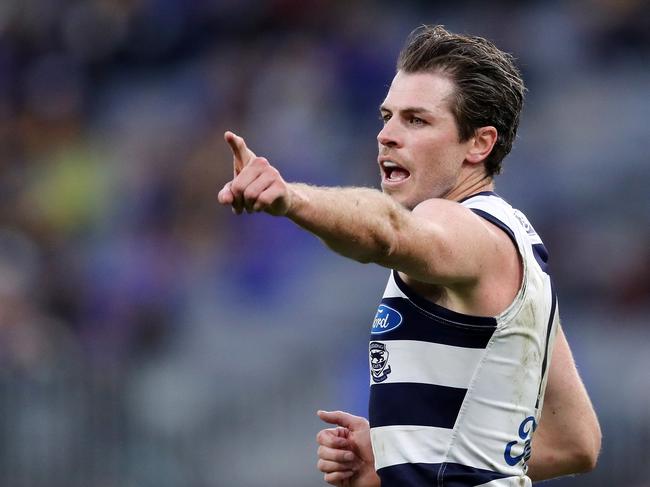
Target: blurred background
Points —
{"points": [[148, 337]]}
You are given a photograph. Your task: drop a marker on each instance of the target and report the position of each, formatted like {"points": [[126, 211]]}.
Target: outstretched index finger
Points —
{"points": [[241, 153]]}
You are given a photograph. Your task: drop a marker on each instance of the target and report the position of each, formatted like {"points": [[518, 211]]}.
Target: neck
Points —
{"points": [[473, 183]]}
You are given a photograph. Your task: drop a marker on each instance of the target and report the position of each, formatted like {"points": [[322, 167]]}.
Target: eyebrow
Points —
{"points": [[410, 110]]}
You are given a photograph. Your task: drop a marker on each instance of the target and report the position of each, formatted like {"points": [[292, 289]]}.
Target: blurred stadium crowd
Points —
{"points": [[148, 337]]}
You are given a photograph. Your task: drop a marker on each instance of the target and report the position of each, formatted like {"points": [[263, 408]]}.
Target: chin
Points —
{"points": [[405, 202], [400, 198]]}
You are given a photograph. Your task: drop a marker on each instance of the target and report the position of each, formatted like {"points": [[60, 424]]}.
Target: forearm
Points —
{"points": [[555, 460], [360, 223], [557, 453], [439, 241]]}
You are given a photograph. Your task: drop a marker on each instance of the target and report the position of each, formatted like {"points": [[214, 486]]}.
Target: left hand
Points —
{"points": [[345, 452], [256, 185]]}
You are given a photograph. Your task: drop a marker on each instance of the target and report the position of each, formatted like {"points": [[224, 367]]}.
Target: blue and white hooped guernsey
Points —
{"points": [[454, 398]]}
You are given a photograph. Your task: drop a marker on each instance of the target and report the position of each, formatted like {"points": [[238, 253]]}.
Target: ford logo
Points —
{"points": [[386, 319]]}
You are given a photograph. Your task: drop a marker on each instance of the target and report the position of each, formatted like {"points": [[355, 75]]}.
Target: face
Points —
{"points": [[420, 155]]}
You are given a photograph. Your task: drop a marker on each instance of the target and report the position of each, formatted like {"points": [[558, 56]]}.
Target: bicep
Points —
{"points": [[445, 243]]}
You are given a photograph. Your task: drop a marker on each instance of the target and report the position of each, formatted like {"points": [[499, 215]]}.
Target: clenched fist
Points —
{"points": [[256, 185]]}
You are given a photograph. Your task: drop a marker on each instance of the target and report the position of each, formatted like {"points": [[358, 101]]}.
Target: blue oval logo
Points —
{"points": [[386, 319]]}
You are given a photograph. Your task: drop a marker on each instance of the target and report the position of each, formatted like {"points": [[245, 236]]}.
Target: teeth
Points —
{"points": [[390, 164]]}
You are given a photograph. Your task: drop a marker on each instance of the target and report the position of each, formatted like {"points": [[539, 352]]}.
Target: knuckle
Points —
{"points": [[324, 436], [331, 478], [249, 193], [266, 199]]}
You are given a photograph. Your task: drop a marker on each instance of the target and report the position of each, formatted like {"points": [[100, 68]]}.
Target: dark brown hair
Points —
{"points": [[488, 87]]}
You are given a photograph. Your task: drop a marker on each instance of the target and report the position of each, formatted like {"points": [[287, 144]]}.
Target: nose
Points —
{"points": [[388, 136]]}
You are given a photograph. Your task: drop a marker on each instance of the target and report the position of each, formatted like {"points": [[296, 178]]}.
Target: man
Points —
{"points": [[461, 344]]}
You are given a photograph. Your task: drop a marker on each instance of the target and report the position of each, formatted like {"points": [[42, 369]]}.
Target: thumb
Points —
{"points": [[341, 418]]}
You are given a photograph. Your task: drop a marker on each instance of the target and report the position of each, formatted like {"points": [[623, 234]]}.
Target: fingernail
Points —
{"points": [[349, 456]]}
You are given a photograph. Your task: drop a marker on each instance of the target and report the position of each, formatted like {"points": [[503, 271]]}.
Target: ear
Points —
{"points": [[481, 145]]}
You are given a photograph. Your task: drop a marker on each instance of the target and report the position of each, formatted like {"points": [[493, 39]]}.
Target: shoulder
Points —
{"points": [[454, 246], [461, 220], [445, 212], [480, 249]]}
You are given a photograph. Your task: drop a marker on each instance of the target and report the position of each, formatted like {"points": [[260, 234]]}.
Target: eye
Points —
{"points": [[417, 121], [384, 117]]}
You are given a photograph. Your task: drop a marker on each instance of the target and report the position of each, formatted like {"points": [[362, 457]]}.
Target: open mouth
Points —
{"points": [[393, 172]]}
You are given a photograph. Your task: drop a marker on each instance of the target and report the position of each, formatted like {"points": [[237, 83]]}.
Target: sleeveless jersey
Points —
{"points": [[454, 398]]}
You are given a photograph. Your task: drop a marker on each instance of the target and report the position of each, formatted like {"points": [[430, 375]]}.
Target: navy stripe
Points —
{"points": [[494, 220], [541, 256], [434, 474], [539, 250], [410, 475], [440, 311], [482, 193], [417, 324], [549, 327], [406, 403]]}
